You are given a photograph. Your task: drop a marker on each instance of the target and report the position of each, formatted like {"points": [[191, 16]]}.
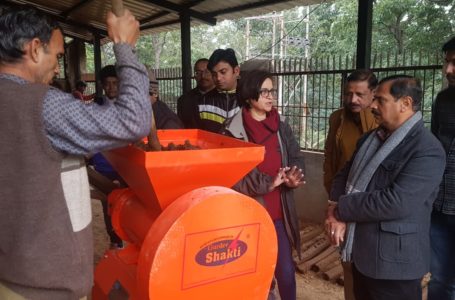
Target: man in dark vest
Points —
{"points": [[46, 244]]}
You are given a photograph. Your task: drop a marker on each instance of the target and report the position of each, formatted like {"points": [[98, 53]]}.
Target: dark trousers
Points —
{"points": [[442, 238], [113, 237], [285, 268], [367, 288]]}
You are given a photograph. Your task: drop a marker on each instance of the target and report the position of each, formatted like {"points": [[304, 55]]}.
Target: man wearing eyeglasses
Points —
{"points": [[187, 109], [221, 103], [346, 126]]}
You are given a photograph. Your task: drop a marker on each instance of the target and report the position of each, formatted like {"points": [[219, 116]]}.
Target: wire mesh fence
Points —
{"points": [[310, 89]]}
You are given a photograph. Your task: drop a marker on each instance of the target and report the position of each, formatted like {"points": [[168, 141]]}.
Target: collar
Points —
{"points": [[227, 92], [14, 78]]}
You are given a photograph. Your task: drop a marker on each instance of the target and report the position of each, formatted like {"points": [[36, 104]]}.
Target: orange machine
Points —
{"points": [[188, 235]]}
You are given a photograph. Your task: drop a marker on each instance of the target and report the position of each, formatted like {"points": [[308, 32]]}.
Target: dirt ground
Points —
{"points": [[309, 286]]}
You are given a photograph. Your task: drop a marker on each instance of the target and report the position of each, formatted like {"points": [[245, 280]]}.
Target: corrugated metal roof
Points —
{"points": [[85, 18]]}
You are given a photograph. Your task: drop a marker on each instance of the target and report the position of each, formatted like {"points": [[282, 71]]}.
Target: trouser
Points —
{"points": [[285, 268], [367, 288], [113, 237], [442, 268], [348, 281], [8, 294]]}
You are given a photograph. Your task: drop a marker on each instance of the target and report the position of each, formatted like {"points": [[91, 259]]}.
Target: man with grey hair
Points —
{"points": [[385, 193]]}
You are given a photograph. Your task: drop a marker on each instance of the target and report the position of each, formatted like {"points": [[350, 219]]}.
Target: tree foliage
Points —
{"points": [[405, 25]]}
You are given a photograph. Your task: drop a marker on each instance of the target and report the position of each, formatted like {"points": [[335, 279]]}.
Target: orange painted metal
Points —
{"points": [[189, 236], [158, 178], [130, 219], [210, 243]]}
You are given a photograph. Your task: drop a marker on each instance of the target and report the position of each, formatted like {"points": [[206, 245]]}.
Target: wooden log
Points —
{"points": [[340, 280], [326, 261], [117, 7], [305, 266], [313, 241], [307, 228], [315, 249], [152, 137], [329, 266], [306, 236], [333, 273]]}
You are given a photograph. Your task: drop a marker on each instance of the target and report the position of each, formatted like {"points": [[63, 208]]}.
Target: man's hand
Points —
{"points": [[337, 232], [334, 228], [294, 177], [124, 29]]}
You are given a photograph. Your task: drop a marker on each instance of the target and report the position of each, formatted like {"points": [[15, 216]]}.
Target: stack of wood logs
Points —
{"points": [[318, 255]]}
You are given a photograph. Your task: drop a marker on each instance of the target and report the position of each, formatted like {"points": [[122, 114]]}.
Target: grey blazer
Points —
{"points": [[391, 239]]}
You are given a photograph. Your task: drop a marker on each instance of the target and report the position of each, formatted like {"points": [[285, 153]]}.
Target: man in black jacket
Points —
{"points": [[221, 103], [442, 283], [187, 104]]}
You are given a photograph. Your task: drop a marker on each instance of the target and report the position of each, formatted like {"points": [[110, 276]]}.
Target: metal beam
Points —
{"points": [[153, 17], [175, 8], [58, 18], [162, 24], [97, 58], [185, 30], [67, 12], [364, 32], [245, 7], [79, 37], [165, 13]]}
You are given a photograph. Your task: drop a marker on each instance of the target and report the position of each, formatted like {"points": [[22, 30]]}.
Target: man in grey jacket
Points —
{"points": [[385, 195]]}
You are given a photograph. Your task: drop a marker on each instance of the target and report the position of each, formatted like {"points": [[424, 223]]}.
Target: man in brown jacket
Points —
{"points": [[346, 126]]}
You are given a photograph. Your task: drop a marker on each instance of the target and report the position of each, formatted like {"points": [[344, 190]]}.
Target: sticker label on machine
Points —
{"points": [[219, 254]]}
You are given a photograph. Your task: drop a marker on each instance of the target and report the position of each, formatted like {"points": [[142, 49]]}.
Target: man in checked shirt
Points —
{"points": [[46, 246]]}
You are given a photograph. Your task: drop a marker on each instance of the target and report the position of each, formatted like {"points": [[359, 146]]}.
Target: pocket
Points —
{"points": [[386, 173], [398, 241]]}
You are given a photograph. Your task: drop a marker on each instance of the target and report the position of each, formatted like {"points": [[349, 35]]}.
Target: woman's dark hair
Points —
{"points": [[249, 85], [19, 26]]}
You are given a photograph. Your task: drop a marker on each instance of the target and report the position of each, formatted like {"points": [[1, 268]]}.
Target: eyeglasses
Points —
{"points": [[266, 92]]}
